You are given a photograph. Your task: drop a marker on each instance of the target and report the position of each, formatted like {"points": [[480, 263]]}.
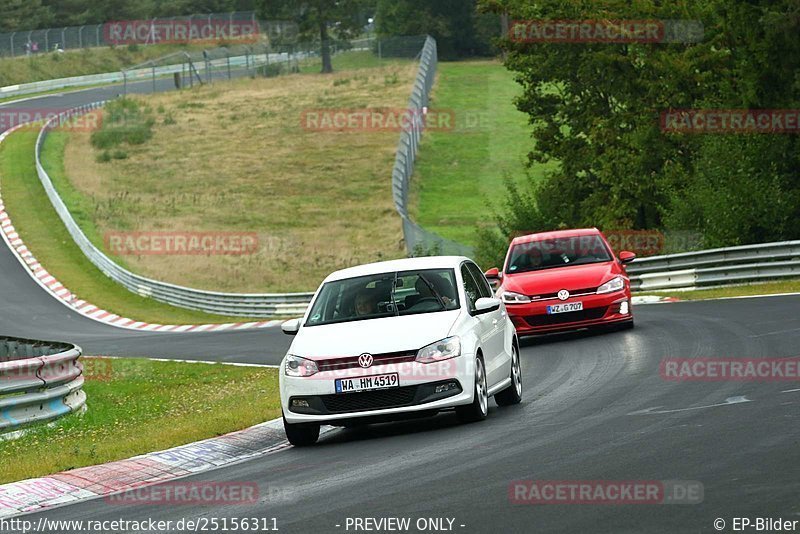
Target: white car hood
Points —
{"points": [[376, 336]]}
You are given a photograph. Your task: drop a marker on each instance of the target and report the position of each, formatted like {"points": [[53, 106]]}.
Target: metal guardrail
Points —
{"points": [[213, 63], [418, 240], [249, 61], [233, 304], [717, 267], [39, 381]]}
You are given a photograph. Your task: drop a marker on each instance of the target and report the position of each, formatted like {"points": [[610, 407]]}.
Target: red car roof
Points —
{"points": [[555, 234]]}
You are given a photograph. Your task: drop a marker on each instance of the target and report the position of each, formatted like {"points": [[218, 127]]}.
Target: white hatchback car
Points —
{"points": [[398, 339]]}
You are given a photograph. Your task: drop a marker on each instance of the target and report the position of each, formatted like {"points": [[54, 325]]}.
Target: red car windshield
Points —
{"points": [[560, 252]]}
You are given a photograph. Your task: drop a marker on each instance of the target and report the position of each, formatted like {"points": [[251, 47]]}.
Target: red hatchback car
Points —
{"points": [[564, 280]]}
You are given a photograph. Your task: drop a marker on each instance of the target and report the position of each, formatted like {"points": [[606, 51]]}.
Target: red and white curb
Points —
{"points": [[63, 295], [87, 483]]}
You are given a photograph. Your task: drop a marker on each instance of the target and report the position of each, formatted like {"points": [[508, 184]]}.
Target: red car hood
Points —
{"points": [[557, 278]]}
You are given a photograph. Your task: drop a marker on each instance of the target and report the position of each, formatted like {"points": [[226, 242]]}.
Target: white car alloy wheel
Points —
{"points": [[513, 393], [479, 408], [516, 371], [481, 391]]}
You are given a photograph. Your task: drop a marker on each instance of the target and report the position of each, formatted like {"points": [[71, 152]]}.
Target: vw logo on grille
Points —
{"points": [[365, 360], [563, 294]]}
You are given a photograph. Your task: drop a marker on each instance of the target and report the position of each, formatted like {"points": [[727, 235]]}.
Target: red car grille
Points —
{"points": [[570, 317], [351, 362], [572, 292]]}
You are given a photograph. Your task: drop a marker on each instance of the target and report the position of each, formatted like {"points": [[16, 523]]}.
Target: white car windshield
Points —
{"points": [[385, 295]]}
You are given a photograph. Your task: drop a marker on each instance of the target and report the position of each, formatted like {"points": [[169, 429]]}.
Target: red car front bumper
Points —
{"points": [[532, 318]]}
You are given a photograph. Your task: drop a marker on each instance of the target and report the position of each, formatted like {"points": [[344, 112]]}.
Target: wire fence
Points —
{"points": [[218, 27], [185, 69], [419, 242]]}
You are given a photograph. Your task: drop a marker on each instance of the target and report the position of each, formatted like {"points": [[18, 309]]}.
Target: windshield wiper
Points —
{"points": [[434, 292]]}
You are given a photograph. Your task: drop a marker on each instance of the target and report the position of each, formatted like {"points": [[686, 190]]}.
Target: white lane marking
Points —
{"points": [[790, 390], [655, 410], [777, 332]]}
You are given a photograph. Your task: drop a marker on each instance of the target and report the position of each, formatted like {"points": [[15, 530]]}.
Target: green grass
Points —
{"points": [[333, 185], [460, 171], [139, 406], [46, 236], [766, 288]]}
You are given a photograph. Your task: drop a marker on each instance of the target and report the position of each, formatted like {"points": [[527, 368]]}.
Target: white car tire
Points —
{"points": [[478, 409], [301, 434], [513, 393]]}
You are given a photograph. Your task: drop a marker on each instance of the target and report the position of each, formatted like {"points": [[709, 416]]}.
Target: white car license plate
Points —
{"points": [[564, 308], [366, 383]]}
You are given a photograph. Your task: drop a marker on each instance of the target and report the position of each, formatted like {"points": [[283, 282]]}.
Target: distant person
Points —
{"points": [[35, 47], [28, 48]]}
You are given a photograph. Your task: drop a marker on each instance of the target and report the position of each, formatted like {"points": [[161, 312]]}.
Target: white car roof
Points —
{"points": [[405, 264]]}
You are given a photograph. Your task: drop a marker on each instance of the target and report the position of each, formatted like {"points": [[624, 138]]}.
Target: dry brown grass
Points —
{"points": [[237, 159]]}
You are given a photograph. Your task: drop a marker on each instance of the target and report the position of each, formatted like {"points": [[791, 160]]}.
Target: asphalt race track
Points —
{"points": [[574, 424], [577, 422]]}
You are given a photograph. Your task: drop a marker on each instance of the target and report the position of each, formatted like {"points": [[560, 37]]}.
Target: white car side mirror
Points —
{"points": [[486, 305], [291, 327]]}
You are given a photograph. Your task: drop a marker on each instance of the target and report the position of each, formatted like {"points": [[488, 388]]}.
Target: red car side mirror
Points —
{"points": [[626, 256], [492, 273]]}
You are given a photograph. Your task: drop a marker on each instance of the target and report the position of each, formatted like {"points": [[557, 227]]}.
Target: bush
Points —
{"points": [[125, 122], [104, 157], [271, 70]]}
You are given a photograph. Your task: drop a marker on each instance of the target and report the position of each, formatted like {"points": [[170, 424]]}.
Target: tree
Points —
{"points": [[23, 15], [458, 28], [321, 18], [595, 108]]}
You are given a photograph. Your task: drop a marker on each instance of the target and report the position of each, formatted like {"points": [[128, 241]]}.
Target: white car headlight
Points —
{"points": [[615, 284], [441, 350], [509, 297], [297, 366]]}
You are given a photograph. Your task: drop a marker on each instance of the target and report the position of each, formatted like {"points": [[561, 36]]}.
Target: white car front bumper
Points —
{"points": [[416, 392]]}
